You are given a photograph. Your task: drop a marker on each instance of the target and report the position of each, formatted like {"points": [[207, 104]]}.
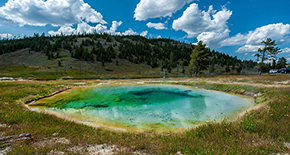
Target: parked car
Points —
{"points": [[273, 71], [282, 70], [288, 69]]}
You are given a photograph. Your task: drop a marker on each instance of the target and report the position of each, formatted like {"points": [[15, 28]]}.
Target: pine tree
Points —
{"points": [[282, 62], [103, 63], [198, 60], [46, 51], [183, 70], [212, 68], [268, 50], [227, 69], [57, 54]]}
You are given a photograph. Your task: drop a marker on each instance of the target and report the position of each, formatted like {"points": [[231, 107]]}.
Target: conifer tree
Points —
{"points": [[268, 50], [198, 60]]}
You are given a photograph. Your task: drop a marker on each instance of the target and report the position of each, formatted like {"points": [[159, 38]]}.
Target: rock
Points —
{"points": [[52, 141], [2, 133], [4, 126], [101, 149], [55, 152], [25, 136], [287, 145], [61, 140], [139, 153], [178, 153], [5, 151], [258, 94]]}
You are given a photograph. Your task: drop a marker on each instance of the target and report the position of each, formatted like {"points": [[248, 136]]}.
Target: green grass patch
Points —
{"points": [[261, 131]]}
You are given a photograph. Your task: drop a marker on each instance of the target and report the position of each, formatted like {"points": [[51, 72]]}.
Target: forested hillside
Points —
{"points": [[103, 53]]}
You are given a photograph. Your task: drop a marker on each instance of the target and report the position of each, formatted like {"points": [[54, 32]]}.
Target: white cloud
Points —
{"points": [[144, 33], [159, 36], [129, 32], [238, 39], [5, 36], [81, 28], [288, 58], [86, 28], [209, 26], [278, 32], [115, 26], [268, 61], [249, 48], [65, 30], [158, 8], [99, 28], [157, 26], [252, 40], [54, 12], [213, 39], [132, 32], [285, 50]]}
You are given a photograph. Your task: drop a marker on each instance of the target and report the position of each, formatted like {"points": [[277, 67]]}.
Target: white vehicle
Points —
{"points": [[273, 71]]}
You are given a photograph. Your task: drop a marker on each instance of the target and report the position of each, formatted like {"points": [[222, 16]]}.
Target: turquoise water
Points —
{"points": [[148, 106]]}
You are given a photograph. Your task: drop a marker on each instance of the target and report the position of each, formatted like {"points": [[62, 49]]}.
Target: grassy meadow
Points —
{"points": [[264, 130]]}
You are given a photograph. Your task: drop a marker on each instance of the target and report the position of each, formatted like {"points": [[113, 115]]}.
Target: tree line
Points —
{"points": [[163, 52]]}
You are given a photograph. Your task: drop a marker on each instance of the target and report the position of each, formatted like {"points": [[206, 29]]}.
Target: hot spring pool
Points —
{"points": [[143, 107]]}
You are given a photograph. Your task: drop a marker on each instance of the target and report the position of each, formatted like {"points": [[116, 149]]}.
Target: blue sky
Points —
{"points": [[235, 27]]}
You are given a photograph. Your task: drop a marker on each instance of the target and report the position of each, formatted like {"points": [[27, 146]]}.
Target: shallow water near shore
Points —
{"points": [[144, 107]]}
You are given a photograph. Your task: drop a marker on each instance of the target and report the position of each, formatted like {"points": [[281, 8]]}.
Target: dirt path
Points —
{"points": [[176, 80]]}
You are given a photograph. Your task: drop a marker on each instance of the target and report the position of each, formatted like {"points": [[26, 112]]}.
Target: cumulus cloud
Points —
{"points": [[99, 28], [159, 36], [252, 40], [278, 32], [54, 12], [65, 30], [144, 33], [204, 24], [81, 28], [211, 27], [115, 26], [86, 28], [5, 36], [131, 32], [157, 26], [158, 8], [286, 50], [249, 48], [238, 39], [213, 39]]}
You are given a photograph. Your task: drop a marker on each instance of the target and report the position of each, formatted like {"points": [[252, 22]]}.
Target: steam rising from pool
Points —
{"points": [[144, 107]]}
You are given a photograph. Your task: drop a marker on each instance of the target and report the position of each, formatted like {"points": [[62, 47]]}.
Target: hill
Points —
{"points": [[104, 56]]}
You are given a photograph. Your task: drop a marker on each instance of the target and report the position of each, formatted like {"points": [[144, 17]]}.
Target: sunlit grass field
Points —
{"points": [[264, 130]]}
